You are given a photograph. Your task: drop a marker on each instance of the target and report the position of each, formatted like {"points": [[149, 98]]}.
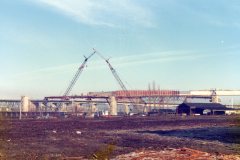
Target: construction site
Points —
{"points": [[122, 124], [121, 102]]}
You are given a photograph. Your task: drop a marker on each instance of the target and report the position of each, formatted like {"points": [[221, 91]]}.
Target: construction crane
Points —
{"points": [[77, 74], [73, 81], [116, 77]]}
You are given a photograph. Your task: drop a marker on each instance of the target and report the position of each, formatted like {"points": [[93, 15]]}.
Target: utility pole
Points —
{"points": [[20, 111]]}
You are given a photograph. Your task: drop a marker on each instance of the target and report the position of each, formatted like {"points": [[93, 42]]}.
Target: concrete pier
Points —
{"points": [[113, 106], [25, 104], [126, 108]]}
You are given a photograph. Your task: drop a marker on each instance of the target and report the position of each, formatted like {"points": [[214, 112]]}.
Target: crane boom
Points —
{"points": [[77, 74], [120, 82], [117, 77]]}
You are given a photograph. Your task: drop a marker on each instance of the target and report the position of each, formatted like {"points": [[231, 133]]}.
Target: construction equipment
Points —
{"points": [[78, 73], [116, 77], [74, 80]]}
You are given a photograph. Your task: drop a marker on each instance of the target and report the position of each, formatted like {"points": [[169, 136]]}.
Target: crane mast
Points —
{"points": [[117, 78], [77, 74], [74, 80]]}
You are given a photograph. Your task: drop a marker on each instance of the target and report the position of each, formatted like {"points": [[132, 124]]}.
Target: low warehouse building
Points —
{"points": [[201, 109]]}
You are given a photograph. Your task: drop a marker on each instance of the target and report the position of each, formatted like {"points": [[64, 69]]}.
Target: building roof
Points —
{"points": [[216, 106]]}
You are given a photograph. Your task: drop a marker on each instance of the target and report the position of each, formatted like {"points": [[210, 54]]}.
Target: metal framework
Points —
{"points": [[74, 80], [76, 76], [116, 76]]}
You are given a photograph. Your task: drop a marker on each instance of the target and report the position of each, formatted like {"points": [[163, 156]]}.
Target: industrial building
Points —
{"points": [[202, 109]]}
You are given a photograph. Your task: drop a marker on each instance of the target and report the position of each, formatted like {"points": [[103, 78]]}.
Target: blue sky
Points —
{"points": [[179, 44]]}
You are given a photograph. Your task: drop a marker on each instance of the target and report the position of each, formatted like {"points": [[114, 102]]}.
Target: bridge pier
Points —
{"points": [[113, 106], [145, 109], [93, 107], [77, 107], [25, 104], [126, 108]]}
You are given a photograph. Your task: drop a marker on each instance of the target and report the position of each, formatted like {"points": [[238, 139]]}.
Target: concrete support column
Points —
{"points": [[63, 107], [126, 108], [149, 107], [145, 110], [72, 107], [25, 104], [79, 107], [75, 107], [94, 108], [113, 106]]}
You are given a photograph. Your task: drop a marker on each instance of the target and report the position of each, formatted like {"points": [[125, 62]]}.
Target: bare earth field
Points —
{"points": [[174, 137]]}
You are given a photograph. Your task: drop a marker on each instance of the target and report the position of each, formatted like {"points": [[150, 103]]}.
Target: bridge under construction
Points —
{"points": [[128, 100]]}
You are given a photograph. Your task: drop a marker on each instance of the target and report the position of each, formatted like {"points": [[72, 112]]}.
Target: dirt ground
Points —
{"points": [[76, 138]]}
